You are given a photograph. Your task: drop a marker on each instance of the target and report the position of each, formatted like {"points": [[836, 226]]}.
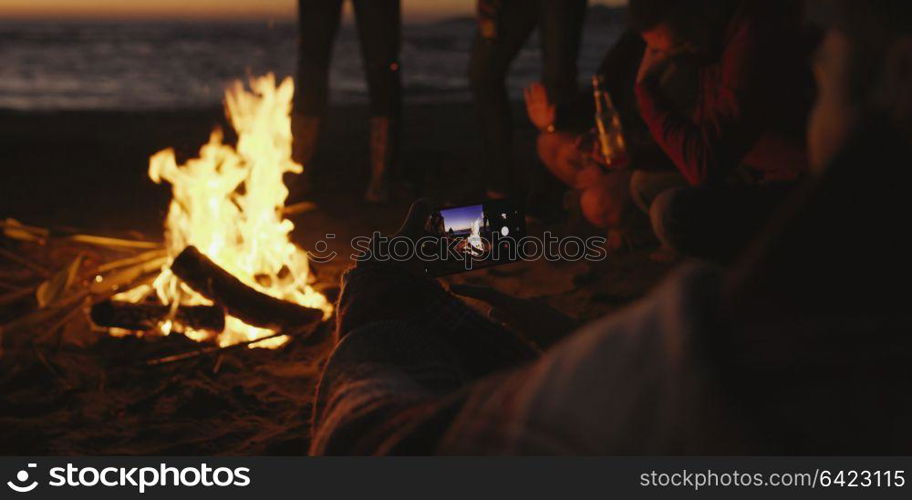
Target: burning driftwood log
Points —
{"points": [[239, 300], [129, 316]]}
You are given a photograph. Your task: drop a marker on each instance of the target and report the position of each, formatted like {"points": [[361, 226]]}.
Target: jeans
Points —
{"points": [[379, 28], [560, 29]]}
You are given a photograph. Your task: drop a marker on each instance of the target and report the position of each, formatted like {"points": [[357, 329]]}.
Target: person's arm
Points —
{"points": [[403, 343], [487, 13], [706, 150], [565, 154], [542, 112], [559, 151]]}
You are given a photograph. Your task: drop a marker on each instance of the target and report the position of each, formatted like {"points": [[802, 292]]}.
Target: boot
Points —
{"points": [[382, 156], [305, 131]]}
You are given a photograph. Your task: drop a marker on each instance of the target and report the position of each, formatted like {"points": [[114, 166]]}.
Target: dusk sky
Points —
{"points": [[208, 9], [461, 218]]}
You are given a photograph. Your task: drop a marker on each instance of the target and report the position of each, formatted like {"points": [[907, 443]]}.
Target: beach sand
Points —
{"points": [[88, 170]]}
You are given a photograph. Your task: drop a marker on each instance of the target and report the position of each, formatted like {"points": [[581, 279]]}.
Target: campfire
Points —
{"points": [[227, 272], [226, 237]]}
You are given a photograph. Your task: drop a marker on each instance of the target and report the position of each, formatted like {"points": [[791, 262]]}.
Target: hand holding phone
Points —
{"points": [[473, 236]]}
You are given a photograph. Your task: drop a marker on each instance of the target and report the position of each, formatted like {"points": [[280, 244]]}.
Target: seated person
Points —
{"points": [[567, 142], [802, 347], [739, 148]]}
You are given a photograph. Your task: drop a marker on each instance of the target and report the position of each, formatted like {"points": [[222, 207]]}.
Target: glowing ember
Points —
{"points": [[228, 203]]}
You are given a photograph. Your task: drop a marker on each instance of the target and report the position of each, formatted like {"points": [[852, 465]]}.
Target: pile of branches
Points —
{"points": [[43, 301]]}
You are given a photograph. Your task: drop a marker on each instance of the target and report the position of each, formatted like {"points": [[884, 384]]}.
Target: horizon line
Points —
{"points": [[282, 16], [225, 18]]}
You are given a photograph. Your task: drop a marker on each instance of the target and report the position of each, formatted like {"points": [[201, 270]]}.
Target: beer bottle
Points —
{"points": [[608, 126]]}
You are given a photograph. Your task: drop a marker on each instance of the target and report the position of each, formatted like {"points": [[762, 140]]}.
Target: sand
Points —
{"points": [[90, 394]]}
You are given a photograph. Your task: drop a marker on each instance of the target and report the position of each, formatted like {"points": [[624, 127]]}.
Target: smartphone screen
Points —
{"points": [[470, 237]]}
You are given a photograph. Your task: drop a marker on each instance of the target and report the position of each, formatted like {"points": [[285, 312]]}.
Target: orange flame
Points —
{"points": [[229, 202]]}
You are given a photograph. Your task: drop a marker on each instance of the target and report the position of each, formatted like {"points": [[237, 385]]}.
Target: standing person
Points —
{"points": [[503, 28], [379, 29]]}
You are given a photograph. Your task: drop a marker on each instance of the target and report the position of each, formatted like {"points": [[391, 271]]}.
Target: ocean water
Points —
{"points": [[84, 65]]}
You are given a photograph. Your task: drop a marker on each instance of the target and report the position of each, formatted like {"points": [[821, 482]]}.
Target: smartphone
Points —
{"points": [[469, 237]]}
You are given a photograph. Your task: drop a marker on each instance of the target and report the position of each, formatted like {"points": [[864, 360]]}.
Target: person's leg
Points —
{"points": [[560, 32], [318, 21], [561, 29], [602, 202], [493, 52], [397, 352], [380, 32], [558, 152], [714, 223], [646, 186], [379, 29]]}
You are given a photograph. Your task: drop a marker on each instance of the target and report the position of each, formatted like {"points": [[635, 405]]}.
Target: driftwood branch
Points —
{"points": [[22, 261], [123, 280], [310, 336], [133, 261], [117, 314], [16, 295], [239, 300], [16, 230]]}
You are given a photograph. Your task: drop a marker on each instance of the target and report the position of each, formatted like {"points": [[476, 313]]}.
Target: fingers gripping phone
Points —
{"points": [[468, 237]]}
